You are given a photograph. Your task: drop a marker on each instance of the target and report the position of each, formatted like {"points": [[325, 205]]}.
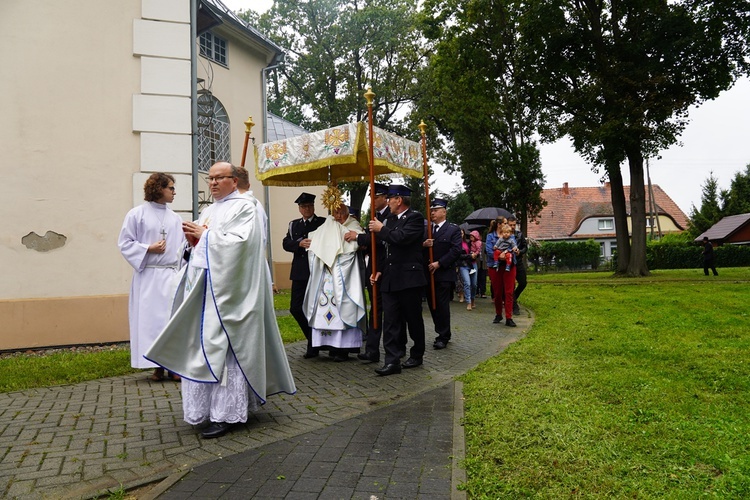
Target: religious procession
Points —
{"points": [[201, 303]]}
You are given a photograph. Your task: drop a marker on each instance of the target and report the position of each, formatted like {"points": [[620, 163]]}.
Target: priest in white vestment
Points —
{"points": [[334, 299], [152, 242], [223, 338]]}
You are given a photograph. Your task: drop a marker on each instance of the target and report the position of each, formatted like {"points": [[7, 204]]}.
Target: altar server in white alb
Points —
{"points": [[152, 241], [223, 338]]}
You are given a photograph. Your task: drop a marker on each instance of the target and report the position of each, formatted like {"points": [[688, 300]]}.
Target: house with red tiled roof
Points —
{"points": [[733, 229], [586, 213]]}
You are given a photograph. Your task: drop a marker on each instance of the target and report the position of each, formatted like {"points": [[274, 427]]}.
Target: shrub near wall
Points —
{"points": [[564, 255], [665, 254], [674, 254]]}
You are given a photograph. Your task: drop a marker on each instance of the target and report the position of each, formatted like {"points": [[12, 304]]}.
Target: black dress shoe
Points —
{"points": [[216, 429], [497, 319], [338, 358], [312, 353], [411, 363], [372, 358], [388, 369], [439, 344], [510, 322]]}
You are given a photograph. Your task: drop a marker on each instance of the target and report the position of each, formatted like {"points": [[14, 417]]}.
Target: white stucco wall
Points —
{"points": [[69, 151], [96, 96]]}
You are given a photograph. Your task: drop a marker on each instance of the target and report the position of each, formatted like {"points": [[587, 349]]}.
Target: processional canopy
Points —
{"points": [[334, 155]]}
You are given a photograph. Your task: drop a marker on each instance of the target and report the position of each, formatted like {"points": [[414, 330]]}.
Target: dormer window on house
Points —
{"points": [[213, 48], [606, 224]]}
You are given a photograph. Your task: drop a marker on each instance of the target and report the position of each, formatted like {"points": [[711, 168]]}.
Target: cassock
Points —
{"points": [[334, 299], [154, 276], [223, 339]]}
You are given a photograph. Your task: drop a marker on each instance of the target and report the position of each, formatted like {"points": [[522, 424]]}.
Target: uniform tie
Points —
{"points": [[434, 229]]}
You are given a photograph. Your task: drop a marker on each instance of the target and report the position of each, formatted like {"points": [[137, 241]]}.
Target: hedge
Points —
{"points": [[561, 255], [670, 253]]}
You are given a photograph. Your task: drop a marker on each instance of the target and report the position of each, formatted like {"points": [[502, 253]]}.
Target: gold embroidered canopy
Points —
{"points": [[334, 155]]}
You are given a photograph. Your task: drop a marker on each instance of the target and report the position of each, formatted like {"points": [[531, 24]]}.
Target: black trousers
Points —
{"points": [[441, 315], [520, 279], [709, 264], [399, 307], [295, 308], [481, 281], [372, 343]]}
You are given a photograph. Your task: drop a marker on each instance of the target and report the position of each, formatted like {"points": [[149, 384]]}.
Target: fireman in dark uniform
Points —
{"points": [[297, 242]]}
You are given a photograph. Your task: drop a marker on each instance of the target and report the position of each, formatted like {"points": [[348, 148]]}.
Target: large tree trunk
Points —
{"points": [[637, 265], [621, 217]]}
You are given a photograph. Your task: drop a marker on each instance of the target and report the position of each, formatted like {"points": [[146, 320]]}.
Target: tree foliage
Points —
{"points": [[736, 200], [475, 93], [336, 49], [459, 207], [715, 205], [619, 77], [710, 211]]}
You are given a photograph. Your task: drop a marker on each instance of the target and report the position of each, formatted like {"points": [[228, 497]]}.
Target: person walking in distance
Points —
{"points": [[708, 257]]}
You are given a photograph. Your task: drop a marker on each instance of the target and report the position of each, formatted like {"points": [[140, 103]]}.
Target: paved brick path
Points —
{"points": [[79, 440]]}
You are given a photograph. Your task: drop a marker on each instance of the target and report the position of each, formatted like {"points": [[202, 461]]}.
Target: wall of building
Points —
{"points": [[66, 134], [238, 86], [98, 99], [95, 98], [590, 227], [742, 236]]}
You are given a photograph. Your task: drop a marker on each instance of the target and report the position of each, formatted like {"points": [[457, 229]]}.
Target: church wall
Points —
{"points": [[96, 100], [74, 164], [239, 88], [69, 154], [168, 152]]}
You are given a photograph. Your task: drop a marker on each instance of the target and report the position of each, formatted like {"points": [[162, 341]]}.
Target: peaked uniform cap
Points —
{"points": [[354, 212], [439, 203], [398, 190], [380, 189], [305, 198]]}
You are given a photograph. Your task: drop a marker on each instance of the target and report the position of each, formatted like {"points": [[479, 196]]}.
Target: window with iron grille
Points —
{"points": [[213, 131], [213, 47]]}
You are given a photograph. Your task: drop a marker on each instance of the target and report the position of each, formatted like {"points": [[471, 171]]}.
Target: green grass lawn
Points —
{"points": [[22, 371], [624, 388]]}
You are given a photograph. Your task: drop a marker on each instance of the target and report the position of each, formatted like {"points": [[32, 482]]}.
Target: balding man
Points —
{"points": [[223, 338]]}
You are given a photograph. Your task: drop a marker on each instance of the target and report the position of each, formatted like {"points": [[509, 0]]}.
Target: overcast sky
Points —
{"points": [[717, 139]]}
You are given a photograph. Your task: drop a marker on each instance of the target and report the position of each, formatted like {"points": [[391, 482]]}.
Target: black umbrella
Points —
{"points": [[471, 227], [486, 215]]}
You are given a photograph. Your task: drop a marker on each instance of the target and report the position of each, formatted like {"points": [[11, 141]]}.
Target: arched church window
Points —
{"points": [[213, 131]]}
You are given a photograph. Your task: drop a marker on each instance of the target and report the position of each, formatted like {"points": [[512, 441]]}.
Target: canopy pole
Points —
{"points": [[422, 129], [249, 124], [369, 96]]}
